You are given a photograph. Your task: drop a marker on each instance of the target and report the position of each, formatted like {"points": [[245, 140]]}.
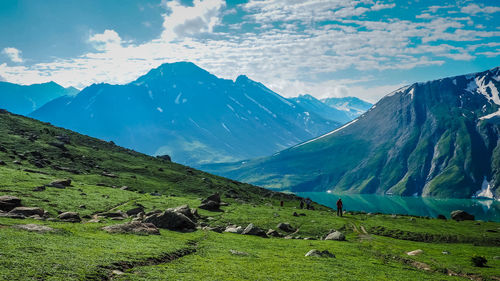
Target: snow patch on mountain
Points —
{"points": [[261, 106], [327, 134], [485, 191]]}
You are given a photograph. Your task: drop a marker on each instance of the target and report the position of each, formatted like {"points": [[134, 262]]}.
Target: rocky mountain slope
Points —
{"points": [[438, 138], [182, 110], [22, 99]]}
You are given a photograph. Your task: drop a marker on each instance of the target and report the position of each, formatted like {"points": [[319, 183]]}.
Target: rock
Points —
{"points": [[2, 163], [39, 188], [17, 162], [164, 157], [109, 175], [214, 197], [69, 217], [445, 252], [210, 206], [61, 183], [286, 227], [415, 253], [218, 229], [8, 202], [234, 229], [117, 214], [273, 233], [26, 211], [460, 215], [135, 211], [64, 139], [238, 253], [82, 207], [441, 217], [58, 144], [295, 214], [192, 214], [254, 230], [336, 235], [134, 227], [34, 227], [320, 254], [171, 220], [496, 257], [125, 188]]}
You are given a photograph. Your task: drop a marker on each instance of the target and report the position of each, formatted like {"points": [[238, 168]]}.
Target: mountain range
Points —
{"points": [[351, 106], [439, 138], [21, 99], [195, 117]]}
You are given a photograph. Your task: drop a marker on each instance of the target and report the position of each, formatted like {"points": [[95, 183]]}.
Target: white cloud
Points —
{"points": [[108, 40], [13, 54], [474, 9], [182, 21]]}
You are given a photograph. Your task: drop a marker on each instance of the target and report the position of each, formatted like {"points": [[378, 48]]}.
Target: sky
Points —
{"points": [[325, 48]]}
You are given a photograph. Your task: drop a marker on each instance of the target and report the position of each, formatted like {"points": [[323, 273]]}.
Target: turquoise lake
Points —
{"points": [[486, 210]]}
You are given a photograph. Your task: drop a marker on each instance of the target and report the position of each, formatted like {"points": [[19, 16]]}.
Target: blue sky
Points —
{"points": [[325, 48]]}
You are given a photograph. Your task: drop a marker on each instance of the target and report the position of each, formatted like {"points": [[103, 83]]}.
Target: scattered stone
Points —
{"points": [[125, 188], [109, 175], [273, 233], [496, 257], [61, 183], [320, 254], [171, 220], [134, 227], [118, 214], [295, 214], [445, 252], [254, 230], [117, 272], [238, 253], [135, 211], [82, 207], [415, 253], [59, 145], [8, 202], [155, 194], [336, 235], [17, 162], [441, 217], [69, 217], [39, 188], [26, 211], [34, 227], [460, 215], [234, 229], [218, 229], [64, 139], [286, 227], [192, 214]]}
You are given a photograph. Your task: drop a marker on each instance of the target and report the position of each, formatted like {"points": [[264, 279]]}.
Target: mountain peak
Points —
{"points": [[242, 79]]}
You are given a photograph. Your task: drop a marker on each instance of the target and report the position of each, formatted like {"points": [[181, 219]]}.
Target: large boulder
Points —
{"points": [[171, 220], [460, 215], [69, 217], [211, 203], [135, 211], [8, 202], [26, 212], [336, 235], [254, 230], [273, 233], [192, 214], [119, 215], [134, 227], [286, 227]]}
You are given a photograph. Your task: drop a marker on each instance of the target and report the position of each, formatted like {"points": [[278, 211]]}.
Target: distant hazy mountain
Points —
{"points": [[438, 138], [312, 104], [352, 106], [182, 110], [21, 99]]}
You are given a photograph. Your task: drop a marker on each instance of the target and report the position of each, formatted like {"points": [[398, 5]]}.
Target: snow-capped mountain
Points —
{"points": [[438, 138], [351, 106], [22, 99], [328, 112], [182, 110]]}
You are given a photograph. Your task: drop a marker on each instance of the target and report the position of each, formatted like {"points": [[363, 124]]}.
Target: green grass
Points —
{"points": [[83, 251]]}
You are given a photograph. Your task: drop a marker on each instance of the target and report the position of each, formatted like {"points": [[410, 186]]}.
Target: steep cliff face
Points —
{"points": [[438, 138]]}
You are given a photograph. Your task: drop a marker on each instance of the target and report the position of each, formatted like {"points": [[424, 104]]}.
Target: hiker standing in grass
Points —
{"points": [[339, 207], [308, 203], [302, 203]]}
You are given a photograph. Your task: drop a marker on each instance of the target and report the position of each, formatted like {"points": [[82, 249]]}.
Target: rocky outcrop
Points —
{"points": [[171, 220], [8, 202], [69, 217], [211, 203], [134, 227], [335, 235], [254, 230], [460, 215]]}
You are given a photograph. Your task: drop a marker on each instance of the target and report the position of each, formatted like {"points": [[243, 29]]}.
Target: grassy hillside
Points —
{"points": [[375, 246]]}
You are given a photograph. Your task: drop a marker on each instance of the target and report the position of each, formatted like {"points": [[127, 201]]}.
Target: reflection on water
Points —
{"points": [[419, 206]]}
